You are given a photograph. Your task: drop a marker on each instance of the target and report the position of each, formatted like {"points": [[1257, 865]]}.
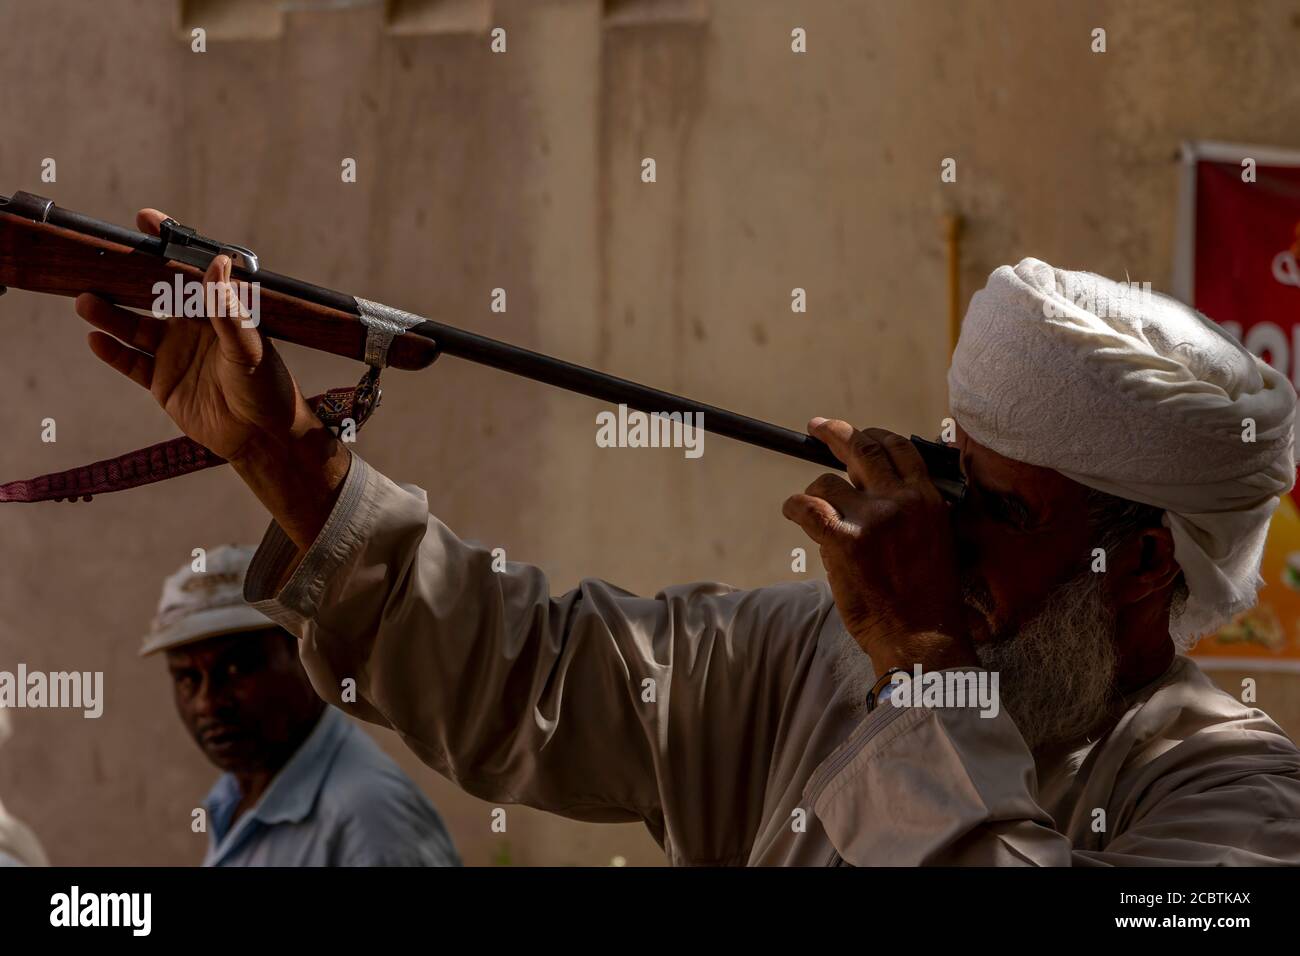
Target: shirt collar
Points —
{"points": [[293, 791]]}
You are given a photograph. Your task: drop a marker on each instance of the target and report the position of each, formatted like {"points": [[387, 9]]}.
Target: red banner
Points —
{"points": [[1243, 249]]}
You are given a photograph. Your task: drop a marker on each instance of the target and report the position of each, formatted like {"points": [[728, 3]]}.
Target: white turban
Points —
{"points": [[1137, 395]]}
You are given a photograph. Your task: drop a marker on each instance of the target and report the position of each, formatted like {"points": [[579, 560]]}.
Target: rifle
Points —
{"points": [[44, 248]]}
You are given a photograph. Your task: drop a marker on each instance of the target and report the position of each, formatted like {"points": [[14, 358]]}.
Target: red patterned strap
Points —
{"points": [[171, 459]]}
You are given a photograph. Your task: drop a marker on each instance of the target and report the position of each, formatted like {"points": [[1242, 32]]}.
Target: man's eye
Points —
{"points": [[1016, 513], [1009, 511]]}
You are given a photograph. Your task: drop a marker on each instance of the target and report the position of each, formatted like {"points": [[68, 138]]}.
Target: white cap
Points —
{"points": [[200, 604]]}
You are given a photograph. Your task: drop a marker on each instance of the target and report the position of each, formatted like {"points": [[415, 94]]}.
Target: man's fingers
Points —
{"points": [[838, 493], [148, 221], [226, 312], [139, 332], [819, 520], [867, 461], [226, 315], [907, 461], [136, 366]]}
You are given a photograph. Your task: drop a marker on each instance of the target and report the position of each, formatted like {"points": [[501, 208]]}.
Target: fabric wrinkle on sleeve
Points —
{"points": [[518, 694], [346, 528]]}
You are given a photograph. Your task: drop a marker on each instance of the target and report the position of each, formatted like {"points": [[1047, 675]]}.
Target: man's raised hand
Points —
{"points": [[227, 388], [222, 384], [887, 546]]}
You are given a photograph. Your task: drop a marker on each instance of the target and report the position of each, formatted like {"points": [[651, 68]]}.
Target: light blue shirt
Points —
{"points": [[339, 801]]}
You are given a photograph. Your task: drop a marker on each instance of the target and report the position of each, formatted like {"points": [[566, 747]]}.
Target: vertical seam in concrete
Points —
{"points": [[603, 212]]}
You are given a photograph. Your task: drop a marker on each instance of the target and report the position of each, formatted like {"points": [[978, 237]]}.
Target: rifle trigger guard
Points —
{"points": [[382, 323]]}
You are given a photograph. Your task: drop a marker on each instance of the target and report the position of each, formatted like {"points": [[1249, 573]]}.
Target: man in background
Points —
{"points": [[302, 784]]}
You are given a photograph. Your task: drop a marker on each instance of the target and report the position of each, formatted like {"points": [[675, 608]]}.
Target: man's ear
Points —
{"points": [[1145, 565]]}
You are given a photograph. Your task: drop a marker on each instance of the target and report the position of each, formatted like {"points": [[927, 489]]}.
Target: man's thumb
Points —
{"points": [[228, 315]]}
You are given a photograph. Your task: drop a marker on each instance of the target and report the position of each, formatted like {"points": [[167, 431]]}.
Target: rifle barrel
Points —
{"points": [[322, 330], [611, 388]]}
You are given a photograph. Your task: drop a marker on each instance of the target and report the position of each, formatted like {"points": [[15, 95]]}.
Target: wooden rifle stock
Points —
{"points": [[40, 257]]}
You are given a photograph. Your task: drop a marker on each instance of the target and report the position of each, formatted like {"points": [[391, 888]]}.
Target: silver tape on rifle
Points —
{"points": [[382, 322]]}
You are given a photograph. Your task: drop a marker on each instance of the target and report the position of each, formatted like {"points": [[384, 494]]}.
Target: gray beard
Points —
{"points": [[1056, 672]]}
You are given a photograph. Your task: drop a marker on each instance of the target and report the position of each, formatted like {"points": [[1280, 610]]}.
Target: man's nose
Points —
{"points": [[212, 697]]}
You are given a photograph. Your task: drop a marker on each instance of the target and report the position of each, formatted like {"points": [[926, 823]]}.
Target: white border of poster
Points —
{"points": [[1184, 278]]}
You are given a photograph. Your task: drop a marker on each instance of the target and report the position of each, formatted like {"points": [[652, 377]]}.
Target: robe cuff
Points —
{"points": [[345, 531]]}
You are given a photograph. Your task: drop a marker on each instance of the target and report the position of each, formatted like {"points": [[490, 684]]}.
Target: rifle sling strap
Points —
{"points": [[179, 456]]}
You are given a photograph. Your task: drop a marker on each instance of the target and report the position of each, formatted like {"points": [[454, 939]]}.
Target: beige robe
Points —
{"points": [[745, 753]]}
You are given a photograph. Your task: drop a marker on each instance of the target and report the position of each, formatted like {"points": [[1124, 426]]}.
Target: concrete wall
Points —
{"points": [[521, 171]]}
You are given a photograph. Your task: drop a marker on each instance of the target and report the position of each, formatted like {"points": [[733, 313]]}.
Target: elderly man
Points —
{"points": [[1102, 435], [303, 785]]}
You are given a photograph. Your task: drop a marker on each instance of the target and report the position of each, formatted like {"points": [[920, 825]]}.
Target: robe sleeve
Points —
{"points": [[596, 704]]}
